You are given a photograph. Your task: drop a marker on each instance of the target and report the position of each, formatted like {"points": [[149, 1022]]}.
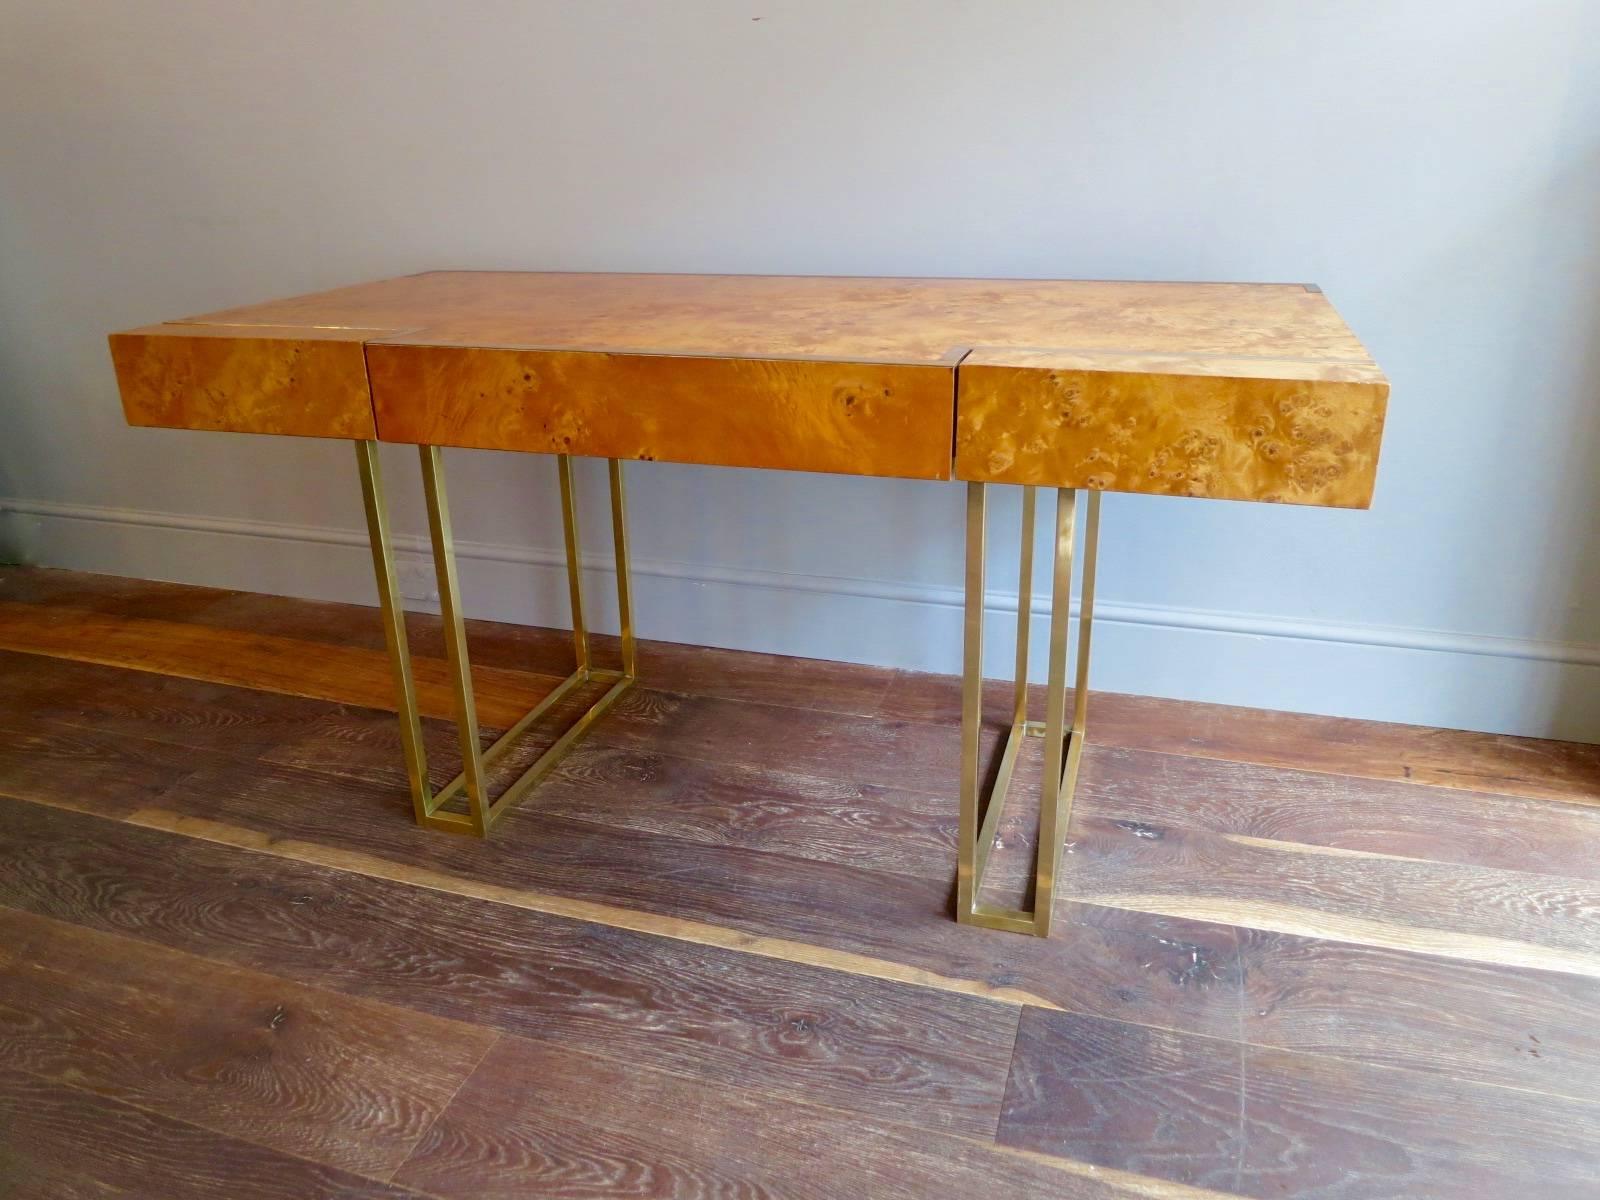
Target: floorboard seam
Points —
{"points": [[422, 1135], [592, 912]]}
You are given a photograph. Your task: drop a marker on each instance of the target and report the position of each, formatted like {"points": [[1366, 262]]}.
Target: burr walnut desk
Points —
{"points": [[1234, 391]]}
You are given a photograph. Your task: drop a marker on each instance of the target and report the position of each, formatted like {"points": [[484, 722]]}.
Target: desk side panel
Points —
{"points": [[306, 382], [883, 419], [1307, 436]]}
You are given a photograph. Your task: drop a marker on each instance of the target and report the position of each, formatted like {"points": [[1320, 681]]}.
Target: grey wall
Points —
{"points": [[1436, 168]]}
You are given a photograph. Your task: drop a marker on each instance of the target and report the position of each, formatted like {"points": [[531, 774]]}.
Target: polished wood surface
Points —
{"points": [[265, 379], [820, 317], [1224, 428], [1251, 391], [790, 414], [1288, 965]]}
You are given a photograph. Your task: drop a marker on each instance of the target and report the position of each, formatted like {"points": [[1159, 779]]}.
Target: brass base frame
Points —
{"points": [[1063, 747], [482, 814]]}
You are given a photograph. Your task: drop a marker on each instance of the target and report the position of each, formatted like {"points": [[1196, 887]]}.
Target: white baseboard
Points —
{"points": [[1468, 681]]}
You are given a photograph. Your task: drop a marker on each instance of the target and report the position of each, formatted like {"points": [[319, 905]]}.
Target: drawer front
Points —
{"points": [[788, 414], [1288, 440], [245, 380]]}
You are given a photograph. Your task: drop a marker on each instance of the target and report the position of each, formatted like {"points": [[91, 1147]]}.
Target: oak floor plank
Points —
{"points": [[1369, 1003], [59, 1143], [83, 767], [936, 699], [540, 1119], [1148, 1101], [115, 594], [654, 793], [1273, 1123], [1458, 1060], [1473, 913], [884, 797], [267, 662], [344, 1082], [745, 675], [761, 851], [59, 712], [364, 743], [761, 808], [870, 919], [908, 756], [1486, 1022], [65, 701], [38, 691], [1489, 1021], [902, 754], [1442, 757], [702, 670], [1171, 970], [1447, 825], [862, 1044], [253, 608], [1294, 887], [1454, 758], [1341, 745]]}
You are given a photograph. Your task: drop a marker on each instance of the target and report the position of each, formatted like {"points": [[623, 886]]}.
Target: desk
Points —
{"points": [[1234, 391]]}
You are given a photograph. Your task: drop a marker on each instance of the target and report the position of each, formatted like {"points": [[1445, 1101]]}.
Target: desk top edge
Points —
{"points": [[899, 320]]}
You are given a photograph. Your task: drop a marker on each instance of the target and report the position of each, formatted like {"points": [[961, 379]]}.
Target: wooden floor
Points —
{"points": [[714, 955]]}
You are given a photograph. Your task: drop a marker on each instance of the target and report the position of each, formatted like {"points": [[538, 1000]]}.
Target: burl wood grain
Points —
{"points": [[1254, 391], [791, 414], [822, 318], [310, 382], [1229, 429]]}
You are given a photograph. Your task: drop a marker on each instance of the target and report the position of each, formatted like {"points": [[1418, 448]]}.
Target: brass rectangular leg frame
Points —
{"points": [[1063, 747], [482, 813]]}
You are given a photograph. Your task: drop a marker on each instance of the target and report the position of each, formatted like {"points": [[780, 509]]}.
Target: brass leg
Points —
{"points": [[968, 870], [1053, 795], [482, 813], [394, 625], [1063, 748], [1024, 607], [569, 530], [619, 549], [455, 638]]}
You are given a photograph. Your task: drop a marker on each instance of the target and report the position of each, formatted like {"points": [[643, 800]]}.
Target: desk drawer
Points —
{"points": [[245, 379], [1249, 429], [891, 419]]}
